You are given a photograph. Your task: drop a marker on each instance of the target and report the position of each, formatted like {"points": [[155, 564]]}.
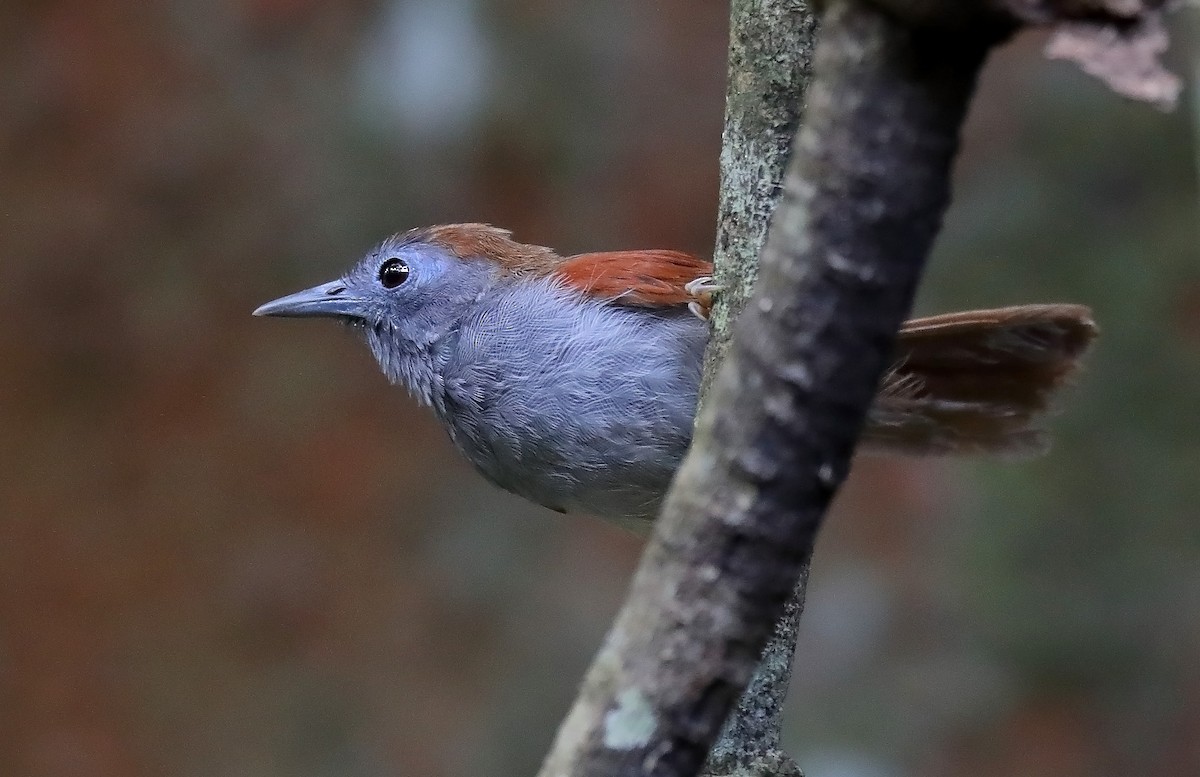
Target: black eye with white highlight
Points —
{"points": [[393, 272]]}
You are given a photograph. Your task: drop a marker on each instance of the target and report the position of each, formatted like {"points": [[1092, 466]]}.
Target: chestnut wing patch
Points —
{"points": [[639, 278]]}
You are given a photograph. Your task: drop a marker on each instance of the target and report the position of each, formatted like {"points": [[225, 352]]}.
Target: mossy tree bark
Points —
{"points": [[771, 45]]}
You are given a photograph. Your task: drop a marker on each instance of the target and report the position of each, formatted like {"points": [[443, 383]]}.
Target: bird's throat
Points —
{"points": [[414, 365]]}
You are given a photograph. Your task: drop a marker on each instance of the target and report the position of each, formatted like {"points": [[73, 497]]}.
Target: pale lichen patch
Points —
{"points": [[631, 724]]}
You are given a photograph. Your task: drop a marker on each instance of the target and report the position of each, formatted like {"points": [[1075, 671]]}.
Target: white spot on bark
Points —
{"points": [[863, 273], [631, 724]]}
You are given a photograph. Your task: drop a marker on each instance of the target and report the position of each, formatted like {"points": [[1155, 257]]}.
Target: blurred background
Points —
{"points": [[228, 547]]}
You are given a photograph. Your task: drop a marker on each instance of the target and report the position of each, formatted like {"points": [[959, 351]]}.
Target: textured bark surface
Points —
{"points": [[864, 194], [749, 743], [1121, 42], [770, 63], [771, 46]]}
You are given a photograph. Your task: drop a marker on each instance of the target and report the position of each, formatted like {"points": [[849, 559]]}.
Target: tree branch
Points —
{"points": [[749, 742], [770, 65], [1118, 41], [864, 195]]}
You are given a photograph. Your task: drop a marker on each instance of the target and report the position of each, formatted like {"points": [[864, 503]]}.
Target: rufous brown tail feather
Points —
{"points": [[978, 381]]}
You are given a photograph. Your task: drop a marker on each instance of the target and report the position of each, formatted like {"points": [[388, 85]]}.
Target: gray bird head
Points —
{"points": [[405, 296]]}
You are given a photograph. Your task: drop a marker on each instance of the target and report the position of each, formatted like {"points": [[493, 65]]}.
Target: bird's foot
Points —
{"points": [[702, 285], [702, 289]]}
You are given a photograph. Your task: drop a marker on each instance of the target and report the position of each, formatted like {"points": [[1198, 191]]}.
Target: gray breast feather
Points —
{"points": [[571, 402]]}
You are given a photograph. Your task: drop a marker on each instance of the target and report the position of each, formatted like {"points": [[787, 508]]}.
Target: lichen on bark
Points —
{"points": [[770, 62]]}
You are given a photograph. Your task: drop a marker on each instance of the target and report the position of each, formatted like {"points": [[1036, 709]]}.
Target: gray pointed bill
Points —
{"points": [[326, 300]]}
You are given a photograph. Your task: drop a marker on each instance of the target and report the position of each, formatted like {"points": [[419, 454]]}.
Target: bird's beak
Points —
{"points": [[328, 299]]}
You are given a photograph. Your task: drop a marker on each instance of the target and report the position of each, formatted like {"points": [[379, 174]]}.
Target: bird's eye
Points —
{"points": [[392, 273]]}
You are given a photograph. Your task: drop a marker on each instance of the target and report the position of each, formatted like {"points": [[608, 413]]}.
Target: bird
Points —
{"points": [[572, 380]]}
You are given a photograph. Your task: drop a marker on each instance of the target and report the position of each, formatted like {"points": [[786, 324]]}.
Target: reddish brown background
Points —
{"points": [[227, 547]]}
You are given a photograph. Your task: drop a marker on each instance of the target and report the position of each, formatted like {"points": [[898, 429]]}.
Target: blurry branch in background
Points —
{"points": [[864, 194]]}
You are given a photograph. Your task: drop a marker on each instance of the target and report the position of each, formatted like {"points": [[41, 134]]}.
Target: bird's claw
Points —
{"points": [[702, 289], [702, 285]]}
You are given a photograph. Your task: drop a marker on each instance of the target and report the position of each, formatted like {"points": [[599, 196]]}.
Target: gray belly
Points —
{"points": [[578, 407]]}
